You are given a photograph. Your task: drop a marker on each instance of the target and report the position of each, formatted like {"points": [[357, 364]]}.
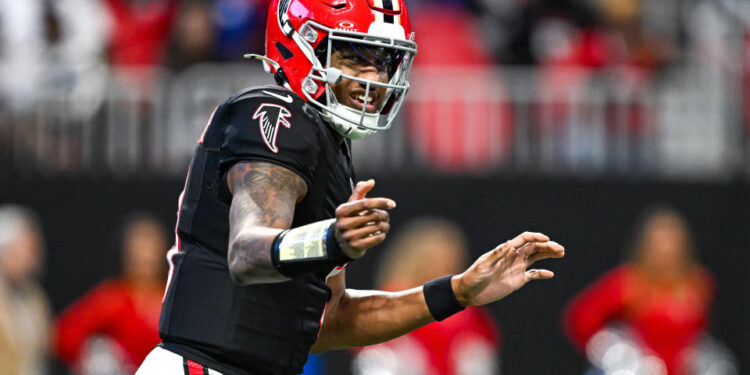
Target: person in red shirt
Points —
{"points": [[657, 303], [465, 343], [140, 31], [118, 320]]}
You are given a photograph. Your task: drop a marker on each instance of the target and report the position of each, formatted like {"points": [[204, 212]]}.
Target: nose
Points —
{"points": [[372, 73]]}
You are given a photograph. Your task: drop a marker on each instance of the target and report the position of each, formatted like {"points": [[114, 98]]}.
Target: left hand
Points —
{"points": [[503, 270], [362, 222]]}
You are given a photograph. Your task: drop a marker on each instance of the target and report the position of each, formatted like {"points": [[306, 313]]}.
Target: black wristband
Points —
{"points": [[440, 298]]}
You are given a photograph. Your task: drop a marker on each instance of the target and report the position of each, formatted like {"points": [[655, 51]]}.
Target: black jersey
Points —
{"points": [[256, 329]]}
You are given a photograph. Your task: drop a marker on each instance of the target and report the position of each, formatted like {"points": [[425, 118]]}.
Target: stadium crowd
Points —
{"points": [[626, 48]]}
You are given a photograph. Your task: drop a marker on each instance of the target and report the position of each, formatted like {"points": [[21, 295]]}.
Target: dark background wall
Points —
{"points": [[594, 220]]}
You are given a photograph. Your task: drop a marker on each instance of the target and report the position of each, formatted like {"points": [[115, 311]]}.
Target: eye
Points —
{"points": [[354, 59]]}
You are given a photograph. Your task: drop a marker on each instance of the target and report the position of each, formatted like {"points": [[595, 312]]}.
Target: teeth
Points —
{"points": [[362, 98]]}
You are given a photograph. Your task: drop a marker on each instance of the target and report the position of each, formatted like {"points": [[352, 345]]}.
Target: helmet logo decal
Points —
{"points": [[270, 117], [346, 26]]}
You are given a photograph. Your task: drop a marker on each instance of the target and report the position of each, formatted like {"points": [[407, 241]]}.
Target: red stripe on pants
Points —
{"points": [[194, 368]]}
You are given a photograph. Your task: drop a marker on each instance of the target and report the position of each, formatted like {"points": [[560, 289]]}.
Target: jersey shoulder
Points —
{"points": [[272, 124], [257, 96]]}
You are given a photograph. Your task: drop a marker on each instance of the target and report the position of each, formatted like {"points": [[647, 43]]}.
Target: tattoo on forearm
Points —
{"points": [[264, 196]]}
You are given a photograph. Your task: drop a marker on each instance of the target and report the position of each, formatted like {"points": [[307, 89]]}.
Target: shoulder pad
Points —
{"points": [[276, 95]]}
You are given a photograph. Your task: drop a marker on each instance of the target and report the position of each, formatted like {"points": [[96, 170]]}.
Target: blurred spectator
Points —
{"points": [[639, 47], [193, 35], [569, 41], [24, 310], [466, 343], [597, 60], [46, 44], [534, 31], [241, 27], [51, 61], [23, 32], [650, 315], [581, 33], [77, 38], [111, 329], [140, 29], [719, 32], [456, 127]]}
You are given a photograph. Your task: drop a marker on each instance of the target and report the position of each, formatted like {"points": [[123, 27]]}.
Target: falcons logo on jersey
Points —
{"points": [[270, 116]]}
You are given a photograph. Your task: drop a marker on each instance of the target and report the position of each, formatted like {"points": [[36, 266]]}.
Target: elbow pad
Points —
{"points": [[307, 249]]}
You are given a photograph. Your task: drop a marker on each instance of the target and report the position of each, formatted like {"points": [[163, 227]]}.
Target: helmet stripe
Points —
{"points": [[388, 5]]}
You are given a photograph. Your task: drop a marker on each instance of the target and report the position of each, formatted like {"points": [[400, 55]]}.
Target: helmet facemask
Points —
{"points": [[376, 103]]}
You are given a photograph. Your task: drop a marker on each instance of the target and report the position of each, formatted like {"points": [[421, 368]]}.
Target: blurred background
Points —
{"points": [[621, 128]]}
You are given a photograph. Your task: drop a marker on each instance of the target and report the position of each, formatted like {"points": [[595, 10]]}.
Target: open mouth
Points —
{"points": [[357, 101]]}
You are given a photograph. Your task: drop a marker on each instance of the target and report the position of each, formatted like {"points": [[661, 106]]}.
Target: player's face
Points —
{"points": [[365, 63]]}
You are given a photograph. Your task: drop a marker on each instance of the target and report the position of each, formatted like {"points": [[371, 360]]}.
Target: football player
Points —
{"points": [[269, 216]]}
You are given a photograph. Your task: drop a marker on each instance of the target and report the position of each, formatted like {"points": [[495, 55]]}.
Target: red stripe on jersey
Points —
{"points": [[210, 118]]}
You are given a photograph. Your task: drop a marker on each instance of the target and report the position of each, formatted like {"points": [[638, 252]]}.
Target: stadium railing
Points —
{"points": [[686, 123]]}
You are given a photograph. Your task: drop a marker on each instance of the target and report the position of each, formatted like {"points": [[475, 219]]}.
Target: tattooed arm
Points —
{"points": [[263, 200]]}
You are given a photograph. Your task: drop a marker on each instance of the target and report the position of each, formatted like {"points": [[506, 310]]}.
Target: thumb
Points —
{"points": [[361, 189]]}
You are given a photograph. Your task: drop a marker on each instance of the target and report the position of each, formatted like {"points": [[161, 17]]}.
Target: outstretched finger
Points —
{"points": [[355, 207], [545, 251], [533, 248], [354, 234], [528, 237], [539, 274], [361, 189], [371, 216]]}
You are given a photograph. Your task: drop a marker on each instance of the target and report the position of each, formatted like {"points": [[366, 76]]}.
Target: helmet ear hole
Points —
{"points": [[280, 77]]}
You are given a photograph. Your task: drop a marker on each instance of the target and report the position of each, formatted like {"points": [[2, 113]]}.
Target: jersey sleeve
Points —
{"points": [[267, 129]]}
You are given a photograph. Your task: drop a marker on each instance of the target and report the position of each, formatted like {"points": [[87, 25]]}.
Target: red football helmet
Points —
{"points": [[301, 35]]}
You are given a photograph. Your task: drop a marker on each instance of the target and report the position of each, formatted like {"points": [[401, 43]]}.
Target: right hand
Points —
{"points": [[362, 223]]}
